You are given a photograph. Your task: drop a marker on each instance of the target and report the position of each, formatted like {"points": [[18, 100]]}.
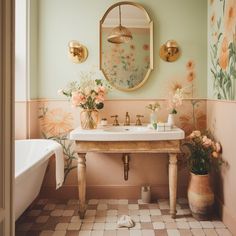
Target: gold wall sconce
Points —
{"points": [[77, 52], [170, 51]]}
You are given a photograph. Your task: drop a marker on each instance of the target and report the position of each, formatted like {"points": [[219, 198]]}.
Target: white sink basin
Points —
{"points": [[126, 129], [125, 133]]}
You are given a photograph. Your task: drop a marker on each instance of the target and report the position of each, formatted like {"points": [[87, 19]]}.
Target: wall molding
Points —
{"points": [[113, 100], [221, 101], [131, 100]]}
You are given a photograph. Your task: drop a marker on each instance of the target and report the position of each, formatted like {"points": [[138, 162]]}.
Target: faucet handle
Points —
{"points": [[138, 121], [115, 122]]}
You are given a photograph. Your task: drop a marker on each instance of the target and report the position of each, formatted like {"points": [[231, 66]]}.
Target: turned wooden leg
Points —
{"points": [[81, 172], [172, 183]]}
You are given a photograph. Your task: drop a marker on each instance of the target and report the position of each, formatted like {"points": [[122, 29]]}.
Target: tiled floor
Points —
{"points": [[60, 218]]}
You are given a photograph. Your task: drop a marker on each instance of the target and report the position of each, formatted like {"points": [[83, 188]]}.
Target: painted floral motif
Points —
{"points": [[195, 119], [192, 113], [185, 83], [223, 49], [230, 16], [55, 124]]}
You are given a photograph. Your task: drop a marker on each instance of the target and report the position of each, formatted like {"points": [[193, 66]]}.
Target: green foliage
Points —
{"points": [[203, 153], [68, 152]]}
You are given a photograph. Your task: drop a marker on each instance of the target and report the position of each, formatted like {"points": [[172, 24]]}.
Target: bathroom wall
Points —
{"points": [[221, 107], [55, 24], [60, 22], [21, 69]]}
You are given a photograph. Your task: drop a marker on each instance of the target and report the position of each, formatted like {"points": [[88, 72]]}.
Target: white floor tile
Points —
{"points": [[135, 232], [158, 225], [148, 232], [173, 232]]}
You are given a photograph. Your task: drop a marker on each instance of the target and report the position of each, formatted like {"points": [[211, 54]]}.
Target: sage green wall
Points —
{"points": [[62, 21]]}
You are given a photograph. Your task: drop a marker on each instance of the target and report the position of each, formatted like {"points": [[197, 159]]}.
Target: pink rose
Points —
{"points": [[215, 154], [77, 99], [99, 98], [195, 133], [206, 141], [101, 89], [217, 147]]}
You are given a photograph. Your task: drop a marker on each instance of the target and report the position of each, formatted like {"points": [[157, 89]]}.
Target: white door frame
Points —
{"points": [[7, 220]]}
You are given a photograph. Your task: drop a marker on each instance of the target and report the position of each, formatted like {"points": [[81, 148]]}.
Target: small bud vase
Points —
{"points": [[89, 119], [170, 120], [153, 117]]}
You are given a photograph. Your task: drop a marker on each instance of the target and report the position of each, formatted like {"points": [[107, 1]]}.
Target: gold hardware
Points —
{"points": [[170, 51], [138, 121], [120, 34], [115, 122], [127, 119], [78, 52], [126, 159]]}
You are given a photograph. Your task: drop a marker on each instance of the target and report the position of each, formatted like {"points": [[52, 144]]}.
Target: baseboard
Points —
{"points": [[108, 192], [228, 219]]}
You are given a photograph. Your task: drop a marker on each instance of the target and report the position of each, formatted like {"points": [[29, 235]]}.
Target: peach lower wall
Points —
{"points": [[221, 120], [105, 177], [105, 172]]}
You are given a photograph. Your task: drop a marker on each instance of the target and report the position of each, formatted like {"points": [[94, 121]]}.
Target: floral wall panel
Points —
{"points": [[222, 49]]}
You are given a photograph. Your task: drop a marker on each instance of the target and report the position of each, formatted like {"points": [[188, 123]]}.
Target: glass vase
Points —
{"points": [[89, 119], [153, 117]]}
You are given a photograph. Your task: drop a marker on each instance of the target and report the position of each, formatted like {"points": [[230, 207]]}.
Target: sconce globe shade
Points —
{"points": [[170, 51], [77, 52], [171, 44]]}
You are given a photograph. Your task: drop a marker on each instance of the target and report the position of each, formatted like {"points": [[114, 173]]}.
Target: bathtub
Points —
{"points": [[31, 160]]}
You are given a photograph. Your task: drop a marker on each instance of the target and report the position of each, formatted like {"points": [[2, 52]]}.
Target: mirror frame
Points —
{"points": [[151, 44]]}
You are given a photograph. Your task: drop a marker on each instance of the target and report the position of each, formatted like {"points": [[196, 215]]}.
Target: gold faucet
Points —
{"points": [[138, 121], [127, 119], [115, 122]]}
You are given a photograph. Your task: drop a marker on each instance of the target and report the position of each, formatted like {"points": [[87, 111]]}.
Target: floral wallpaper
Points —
{"points": [[222, 48], [129, 60]]}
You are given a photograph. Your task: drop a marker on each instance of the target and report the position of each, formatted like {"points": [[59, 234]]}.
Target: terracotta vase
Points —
{"points": [[200, 196], [89, 119]]}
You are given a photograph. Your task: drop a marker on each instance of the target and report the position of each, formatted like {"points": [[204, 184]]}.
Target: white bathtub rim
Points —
{"points": [[32, 167], [46, 155]]}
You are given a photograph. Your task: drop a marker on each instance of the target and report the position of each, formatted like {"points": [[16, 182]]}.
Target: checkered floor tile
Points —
{"points": [[60, 218]]}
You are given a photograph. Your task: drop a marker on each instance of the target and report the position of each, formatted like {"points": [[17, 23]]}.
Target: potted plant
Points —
{"points": [[88, 94], [203, 156]]}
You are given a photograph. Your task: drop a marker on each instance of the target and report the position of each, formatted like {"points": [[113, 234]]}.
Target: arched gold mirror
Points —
{"points": [[126, 45]]}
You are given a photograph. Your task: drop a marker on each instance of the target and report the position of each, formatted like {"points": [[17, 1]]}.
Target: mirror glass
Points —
{"points": [[126, 63]]}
